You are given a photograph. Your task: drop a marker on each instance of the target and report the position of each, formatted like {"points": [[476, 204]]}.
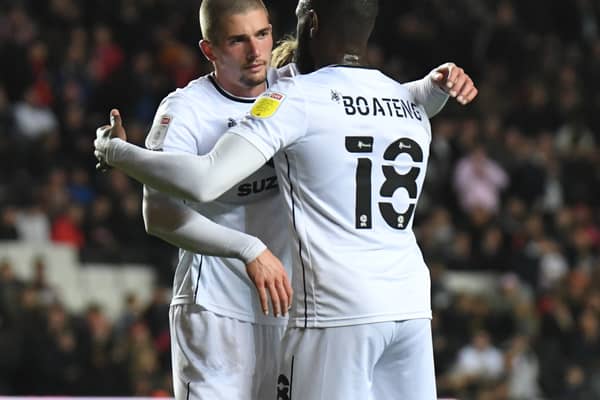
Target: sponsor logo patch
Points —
{"points": [[158, 133], [267, 105]]}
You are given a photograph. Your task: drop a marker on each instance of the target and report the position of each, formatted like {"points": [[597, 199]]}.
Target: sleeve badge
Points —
{"points": [[267, 105], [158, 133]]}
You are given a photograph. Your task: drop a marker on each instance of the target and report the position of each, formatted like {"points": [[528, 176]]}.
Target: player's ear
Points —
{"points": [[314, 23], [207, 50]]}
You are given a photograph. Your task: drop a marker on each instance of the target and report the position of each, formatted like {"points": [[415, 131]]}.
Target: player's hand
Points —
{"points": [[268, 275], [103, 136], [455, 81]]}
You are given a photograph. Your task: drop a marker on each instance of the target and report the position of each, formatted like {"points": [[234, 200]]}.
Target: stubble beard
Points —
{"points": [[253, 81]]}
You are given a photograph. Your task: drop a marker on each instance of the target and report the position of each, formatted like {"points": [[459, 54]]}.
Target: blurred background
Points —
{"points": [[509, 220]]}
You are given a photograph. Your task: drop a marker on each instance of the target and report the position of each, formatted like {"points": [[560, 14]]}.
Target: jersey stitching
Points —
{"points": [[198, 279], [292, 377], [299, 240]]}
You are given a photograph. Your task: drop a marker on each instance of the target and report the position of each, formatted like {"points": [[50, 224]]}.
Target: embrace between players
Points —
{"points": [[317, 166]]}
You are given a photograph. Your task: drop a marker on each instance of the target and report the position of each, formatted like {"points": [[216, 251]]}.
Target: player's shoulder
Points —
{"points": [[285, 86], [351, 72], [187, 102], [177, 115], [365, 77], [196, 89], [287, 71]]}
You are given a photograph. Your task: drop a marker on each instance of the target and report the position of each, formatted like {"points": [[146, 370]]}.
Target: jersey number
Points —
{"points": [[393, 181]]}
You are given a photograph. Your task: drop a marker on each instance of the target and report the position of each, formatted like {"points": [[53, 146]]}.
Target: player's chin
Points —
{"points": [[254, 78]]}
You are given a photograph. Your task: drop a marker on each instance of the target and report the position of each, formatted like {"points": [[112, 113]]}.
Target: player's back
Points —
{"points": [[351, 173]]}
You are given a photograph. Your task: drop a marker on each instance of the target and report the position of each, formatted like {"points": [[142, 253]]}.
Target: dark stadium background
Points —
{"points": [[520, 278]]}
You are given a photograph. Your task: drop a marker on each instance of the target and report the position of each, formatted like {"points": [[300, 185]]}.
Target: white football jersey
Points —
{"points": [[191, 120], [352, 154]]}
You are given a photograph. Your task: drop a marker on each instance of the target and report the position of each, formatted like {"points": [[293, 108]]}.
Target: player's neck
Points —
{"points": [[342, 55], [237, 89]]}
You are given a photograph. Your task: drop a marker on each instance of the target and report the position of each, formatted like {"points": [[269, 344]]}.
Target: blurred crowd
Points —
{"points": [[513, 186], [47, 350]]}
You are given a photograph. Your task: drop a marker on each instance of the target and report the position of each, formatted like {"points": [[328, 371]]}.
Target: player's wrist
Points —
{"points": [[254, 248], [434, 86], [112, 150]]}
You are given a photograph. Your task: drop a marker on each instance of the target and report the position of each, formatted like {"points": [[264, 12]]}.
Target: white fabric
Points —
{"points": [[233, 158], [429, 94], [175, 222], [349, 269], [187, 124], [386, 360], [220, 358], [163, 171], [190, 121], [425, 90]]}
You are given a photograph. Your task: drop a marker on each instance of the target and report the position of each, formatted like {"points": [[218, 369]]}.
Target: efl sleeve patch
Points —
{"points": [[267, 105], [158, 133]]}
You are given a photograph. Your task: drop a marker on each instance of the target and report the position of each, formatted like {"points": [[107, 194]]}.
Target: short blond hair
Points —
{"points": [[212, 12]]}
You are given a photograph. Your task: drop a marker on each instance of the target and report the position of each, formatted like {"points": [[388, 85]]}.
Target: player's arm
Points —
{"points": [[232, 159], [447, 80], [176, 223], [237, 154], [175, 130], [433, 91], [185, 176]]}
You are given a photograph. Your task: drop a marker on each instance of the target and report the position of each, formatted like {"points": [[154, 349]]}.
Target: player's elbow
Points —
{"points": [[209, 197], [204, 195]]}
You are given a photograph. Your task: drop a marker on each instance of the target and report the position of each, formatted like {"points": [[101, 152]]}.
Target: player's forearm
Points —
{"points": [[189, 177], [429, 94], [170, 173], [181, 226]]}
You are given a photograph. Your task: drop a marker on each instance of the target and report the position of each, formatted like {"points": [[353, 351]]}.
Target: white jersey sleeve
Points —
{"points": [[268, 134], [173, 127], [178, 224], [429, 94]]}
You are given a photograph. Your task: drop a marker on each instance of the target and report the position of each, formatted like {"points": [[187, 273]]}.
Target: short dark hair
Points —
{"points": [[212, 11]]}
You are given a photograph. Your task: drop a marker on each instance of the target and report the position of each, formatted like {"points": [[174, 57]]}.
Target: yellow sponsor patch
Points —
{"points": [[267, 105]]}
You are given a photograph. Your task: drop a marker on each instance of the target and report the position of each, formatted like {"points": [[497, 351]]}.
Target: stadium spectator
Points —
{"points": [[478, 182]]}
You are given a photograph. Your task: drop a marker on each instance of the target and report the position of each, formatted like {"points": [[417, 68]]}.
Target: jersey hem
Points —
{"points": [[300, 322], [270, 321]]}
